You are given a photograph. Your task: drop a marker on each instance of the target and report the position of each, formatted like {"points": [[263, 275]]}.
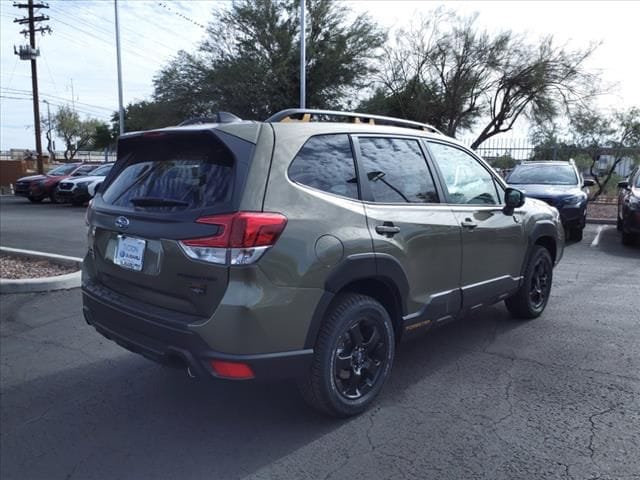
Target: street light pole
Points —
{"points": [[303, 76], [50, 147], [120, 108]]}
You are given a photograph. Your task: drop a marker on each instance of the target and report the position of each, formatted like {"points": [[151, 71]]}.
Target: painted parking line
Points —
{"points": [[596, 240]]}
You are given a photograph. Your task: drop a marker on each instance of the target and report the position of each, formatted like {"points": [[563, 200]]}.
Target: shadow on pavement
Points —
{"points": [[128, 418]]}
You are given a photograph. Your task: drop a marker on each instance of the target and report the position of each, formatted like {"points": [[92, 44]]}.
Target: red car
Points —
{"points": [[38, 187]]}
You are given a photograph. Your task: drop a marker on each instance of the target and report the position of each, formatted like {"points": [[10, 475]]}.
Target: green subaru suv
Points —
{"points": [[306, 246]]}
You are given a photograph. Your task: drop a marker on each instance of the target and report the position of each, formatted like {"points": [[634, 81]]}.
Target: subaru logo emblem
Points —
{"points": [[122, 222]]}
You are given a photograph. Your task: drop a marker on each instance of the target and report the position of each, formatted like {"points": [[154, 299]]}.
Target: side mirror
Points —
{"points": [[588, 183], [623, 184], [513, 198]]}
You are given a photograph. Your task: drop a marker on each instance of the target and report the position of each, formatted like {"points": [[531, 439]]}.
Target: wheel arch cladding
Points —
{"points": [[544, 234], [379, 276], [549, 243]]}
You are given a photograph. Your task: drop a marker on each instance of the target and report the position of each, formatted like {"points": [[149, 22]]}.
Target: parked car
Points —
{"points": [[38, 187], [305, 249], [629, 207], [560, 185], [79, 190]]}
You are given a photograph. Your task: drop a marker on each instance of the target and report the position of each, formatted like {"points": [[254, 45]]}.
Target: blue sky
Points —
{"points": [[81, 50]]}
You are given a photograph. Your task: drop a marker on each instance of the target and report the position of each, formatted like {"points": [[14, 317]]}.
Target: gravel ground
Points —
{"points": [[18, 267], [602, 210]]}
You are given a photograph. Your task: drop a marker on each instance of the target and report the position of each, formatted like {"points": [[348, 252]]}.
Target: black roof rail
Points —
{"points": [[308, 115], [218, 117]]}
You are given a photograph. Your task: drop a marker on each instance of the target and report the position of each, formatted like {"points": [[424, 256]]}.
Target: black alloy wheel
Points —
{"points": [[540, 284], [360, 355], [352, 356], [531, 298]]}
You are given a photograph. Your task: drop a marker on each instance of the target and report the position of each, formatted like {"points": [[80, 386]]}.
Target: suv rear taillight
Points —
{"points": [[242, 238]]}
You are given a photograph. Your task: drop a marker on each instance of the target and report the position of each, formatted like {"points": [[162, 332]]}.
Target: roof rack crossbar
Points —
{"points": [[305, 115]]}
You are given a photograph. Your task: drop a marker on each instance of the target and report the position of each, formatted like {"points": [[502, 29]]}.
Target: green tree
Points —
{"points": [[438, 72], [75, 132], [103, 137], [146, 115], [248, 63], [616, 135], [448, 72]]}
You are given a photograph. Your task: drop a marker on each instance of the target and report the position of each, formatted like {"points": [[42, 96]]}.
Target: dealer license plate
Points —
{"points": [[129, 253]]}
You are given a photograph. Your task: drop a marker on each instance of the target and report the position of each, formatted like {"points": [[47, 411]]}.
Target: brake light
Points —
{"points": [[242, 237]]}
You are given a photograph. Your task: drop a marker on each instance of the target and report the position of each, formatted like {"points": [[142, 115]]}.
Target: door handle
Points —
{"points": [[468, 223], [388, 229]]}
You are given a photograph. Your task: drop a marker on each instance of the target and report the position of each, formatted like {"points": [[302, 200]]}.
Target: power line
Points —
{"points": [[184, 17], [138, 33], [13, 70], [16, 91], [94, 36], [56, 104]]}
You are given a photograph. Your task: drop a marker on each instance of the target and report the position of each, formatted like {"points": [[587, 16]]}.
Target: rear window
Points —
{"points": [[174, 172]]}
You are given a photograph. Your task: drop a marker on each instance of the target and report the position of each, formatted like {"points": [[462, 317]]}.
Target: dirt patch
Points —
{"points": [[602, 210], [14, 268]]}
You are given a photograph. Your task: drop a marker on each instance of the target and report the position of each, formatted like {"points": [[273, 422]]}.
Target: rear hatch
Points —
{"points": [[162, 183]]}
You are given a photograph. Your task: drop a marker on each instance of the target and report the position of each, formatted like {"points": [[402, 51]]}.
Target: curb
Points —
{"points": [[602, 221], [42, 284]]}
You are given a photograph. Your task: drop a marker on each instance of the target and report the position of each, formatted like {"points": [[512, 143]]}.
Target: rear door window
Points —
{"points": [[174, 172], [396, 171], [325, 162]]}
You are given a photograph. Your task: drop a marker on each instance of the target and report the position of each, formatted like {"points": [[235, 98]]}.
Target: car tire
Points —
{"points": [[618, 223], [575, 234], [352, 357], [627, 238], [531, 298], [76, 203], [53, 198], [34, 199]]}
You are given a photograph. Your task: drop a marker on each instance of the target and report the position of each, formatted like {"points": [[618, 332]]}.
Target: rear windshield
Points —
{"points": [[552, 174], [171, 172]]}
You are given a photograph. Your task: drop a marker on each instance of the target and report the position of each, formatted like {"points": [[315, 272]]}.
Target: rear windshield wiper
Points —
{"points": [[158, 202]]}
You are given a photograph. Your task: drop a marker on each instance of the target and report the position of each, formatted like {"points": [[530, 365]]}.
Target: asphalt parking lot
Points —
{"points": [[45, 227], [485, 397]]}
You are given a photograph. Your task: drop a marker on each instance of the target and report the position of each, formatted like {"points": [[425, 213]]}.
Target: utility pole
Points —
{"points": [[30, 52], [73, 97], [303, 73], [120, 108]]}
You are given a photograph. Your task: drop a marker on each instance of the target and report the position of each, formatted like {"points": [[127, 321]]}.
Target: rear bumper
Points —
{"points": [[179, 346]]}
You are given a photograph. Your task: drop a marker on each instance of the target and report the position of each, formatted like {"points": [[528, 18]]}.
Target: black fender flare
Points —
{"points": [[541, 229], [360, 266]]}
